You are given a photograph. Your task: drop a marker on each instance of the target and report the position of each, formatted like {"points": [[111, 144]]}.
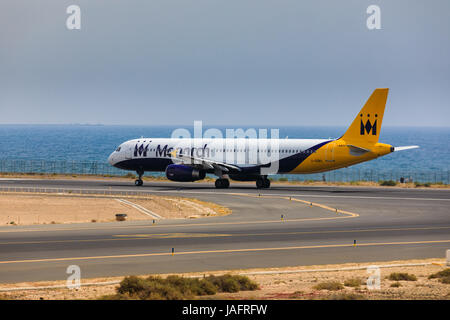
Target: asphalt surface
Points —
{"points": [[386, 223]]}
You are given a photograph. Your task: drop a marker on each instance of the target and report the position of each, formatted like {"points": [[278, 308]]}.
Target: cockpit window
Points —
{"points": [[118, 149]]}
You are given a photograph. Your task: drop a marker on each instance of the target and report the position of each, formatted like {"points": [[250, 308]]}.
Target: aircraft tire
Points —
{"points": [[222, 183], [260, 183], [138, 182]]}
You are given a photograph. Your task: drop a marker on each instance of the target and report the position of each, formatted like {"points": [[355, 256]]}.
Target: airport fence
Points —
{"points": [[58, 167], [75, 191], [372, 175], [12, 166]]}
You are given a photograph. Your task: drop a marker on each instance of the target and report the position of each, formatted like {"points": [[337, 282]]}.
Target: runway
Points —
{"points": [[273, 227]]}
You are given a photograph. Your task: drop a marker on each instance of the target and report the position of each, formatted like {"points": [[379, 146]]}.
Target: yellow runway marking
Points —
{"points": [[177, 225], [313, 204], [126, 237], [346, 213], [223, 251], [172, 235]]}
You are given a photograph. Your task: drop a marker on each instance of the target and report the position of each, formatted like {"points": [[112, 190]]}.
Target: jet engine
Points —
{"points": [[182, 173]]}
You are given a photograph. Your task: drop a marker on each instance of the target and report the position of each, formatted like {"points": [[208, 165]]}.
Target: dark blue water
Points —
{"points": [[95, 143]]}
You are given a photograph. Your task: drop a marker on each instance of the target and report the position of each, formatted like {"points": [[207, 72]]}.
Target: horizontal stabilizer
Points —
{"points": [[357, 151], [405, 148]]}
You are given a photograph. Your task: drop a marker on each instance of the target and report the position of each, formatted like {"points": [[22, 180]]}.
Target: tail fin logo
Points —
{"points": [[368, 127]]}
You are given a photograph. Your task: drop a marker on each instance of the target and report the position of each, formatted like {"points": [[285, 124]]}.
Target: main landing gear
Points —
{"points": [[139, 181], [262, 183], [222, 183]]}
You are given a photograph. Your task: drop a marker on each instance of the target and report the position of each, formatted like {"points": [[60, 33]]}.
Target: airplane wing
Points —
{"points": [[202, 163], [405, 148]]}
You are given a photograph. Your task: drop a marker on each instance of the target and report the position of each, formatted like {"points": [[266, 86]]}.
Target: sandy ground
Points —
{"points": [[26, 209], [299, 285]]}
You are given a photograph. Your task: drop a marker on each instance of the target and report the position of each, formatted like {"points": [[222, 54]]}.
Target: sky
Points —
{"points": [[224, 62]]}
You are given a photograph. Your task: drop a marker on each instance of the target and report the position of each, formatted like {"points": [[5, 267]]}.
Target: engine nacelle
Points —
{"points": [[182, 173]]}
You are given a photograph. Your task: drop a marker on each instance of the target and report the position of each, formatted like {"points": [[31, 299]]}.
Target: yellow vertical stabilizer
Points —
{"points": [[365, 129]]}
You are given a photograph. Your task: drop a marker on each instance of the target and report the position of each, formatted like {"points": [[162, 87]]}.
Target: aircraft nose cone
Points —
{"points": [[111, 159]]}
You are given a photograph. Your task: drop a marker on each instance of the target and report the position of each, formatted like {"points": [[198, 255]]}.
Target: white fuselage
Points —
{"points": [[240, 152]]}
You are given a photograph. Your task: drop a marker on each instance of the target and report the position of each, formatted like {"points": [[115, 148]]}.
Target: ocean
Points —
{"points": [[94, 143]]}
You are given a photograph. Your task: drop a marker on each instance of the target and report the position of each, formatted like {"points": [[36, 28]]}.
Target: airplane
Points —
{"points": [[190, 159]]}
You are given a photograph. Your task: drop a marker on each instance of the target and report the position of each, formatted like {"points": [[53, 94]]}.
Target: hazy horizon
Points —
{"points": [[262, 126]]}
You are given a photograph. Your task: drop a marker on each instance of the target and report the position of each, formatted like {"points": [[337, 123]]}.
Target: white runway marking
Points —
{"points": [[140, 208]]}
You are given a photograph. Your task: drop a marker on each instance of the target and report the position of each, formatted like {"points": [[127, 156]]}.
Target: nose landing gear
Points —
{"points": [[139, 181]]}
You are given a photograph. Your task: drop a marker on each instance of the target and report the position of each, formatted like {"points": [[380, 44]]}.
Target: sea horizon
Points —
{"points": [[95, 143]]}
